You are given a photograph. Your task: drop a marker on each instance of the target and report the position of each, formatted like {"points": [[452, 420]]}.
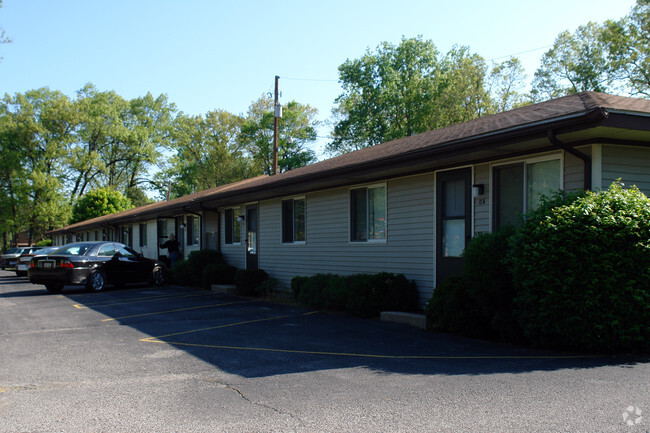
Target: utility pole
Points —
{"points": [[278, 113]]}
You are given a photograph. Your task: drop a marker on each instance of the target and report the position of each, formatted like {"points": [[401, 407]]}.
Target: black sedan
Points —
{"points": [[93, 264]]}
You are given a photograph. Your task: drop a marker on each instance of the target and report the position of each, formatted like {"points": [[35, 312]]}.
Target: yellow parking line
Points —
{"points": [[159, 339], [151, 339], [176, 310], [368, 355], [138, 300]]}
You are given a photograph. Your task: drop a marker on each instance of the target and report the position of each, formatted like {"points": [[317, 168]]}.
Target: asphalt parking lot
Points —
{"points": [[182, 359]]}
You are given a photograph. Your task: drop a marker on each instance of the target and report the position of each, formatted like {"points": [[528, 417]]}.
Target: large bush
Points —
{"points": [[479, 303], [218, 273], [248, 280], [583, 273]]}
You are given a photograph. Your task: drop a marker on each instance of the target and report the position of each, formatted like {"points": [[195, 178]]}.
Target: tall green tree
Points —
{"points": [[508, 85], [387, 94], [118, 141], [40, 127], [577, 62], [628, 50], [296, 129], [99, 202], [400, 90], [207, 154]]}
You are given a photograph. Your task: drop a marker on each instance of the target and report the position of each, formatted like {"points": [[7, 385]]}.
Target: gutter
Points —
{"points": [[586, 159]]}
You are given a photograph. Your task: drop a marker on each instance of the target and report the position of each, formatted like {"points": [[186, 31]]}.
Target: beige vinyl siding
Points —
{"points": [[574, 170], [482, 204], [631, 164], [408, 248]]}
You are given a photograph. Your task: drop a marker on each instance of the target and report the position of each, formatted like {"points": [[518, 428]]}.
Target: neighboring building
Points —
{"points": [[407, 206]]}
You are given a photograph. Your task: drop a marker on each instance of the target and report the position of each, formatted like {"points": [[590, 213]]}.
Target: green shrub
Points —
{"points": [[396, 291], [364, 298], [181, 272], [489, 287], [44, 243], [313, 290], [198, 260], [335, 292], [218, 273], [247, 280], [364, 295], [583, 273], [450, 310], [297, 283]]}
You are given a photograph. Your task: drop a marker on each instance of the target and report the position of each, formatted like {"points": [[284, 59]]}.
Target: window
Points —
{"points": [[233, 226], [368, 214], [518, 188], [193, 230], [162, 228], [293, 220], [143, 235]]}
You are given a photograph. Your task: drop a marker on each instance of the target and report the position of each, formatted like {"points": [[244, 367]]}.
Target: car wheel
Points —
{"points": [[21, 273], [54, 288], [96, 281], [158, 276]]}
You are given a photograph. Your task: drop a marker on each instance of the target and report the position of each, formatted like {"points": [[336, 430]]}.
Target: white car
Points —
{"points": [[10, 257], [22, 262]]}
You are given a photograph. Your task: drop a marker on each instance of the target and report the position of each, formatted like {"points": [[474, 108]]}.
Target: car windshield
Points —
{"points": [[12, 251], [73, 249]]}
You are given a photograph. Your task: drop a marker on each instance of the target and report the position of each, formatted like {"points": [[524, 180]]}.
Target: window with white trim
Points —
{"points": [[193, 230], [143, 235], [518, 187], [293, 220], [368, 213], [232, 229]]}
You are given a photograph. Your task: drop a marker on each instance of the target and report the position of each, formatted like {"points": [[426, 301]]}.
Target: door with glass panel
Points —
{"points": [[454, 225]]}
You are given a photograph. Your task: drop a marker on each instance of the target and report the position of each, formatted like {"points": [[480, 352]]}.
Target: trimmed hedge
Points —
{"points": [[575, 275], [364, 295], [583, 273], [190, 270], [218, 273], [247, 281]]}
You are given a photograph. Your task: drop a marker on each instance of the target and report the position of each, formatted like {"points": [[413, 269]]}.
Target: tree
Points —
{"points": [[402, 90], [4, 39], [386, 94], [507, 85], [296, 128], [118, 140], [628, 50], [208, 153], [576, 63], [39, 127], [99, 202]]}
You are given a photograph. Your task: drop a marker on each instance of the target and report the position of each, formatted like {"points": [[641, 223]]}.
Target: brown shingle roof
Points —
{"points": [[573, 109]]}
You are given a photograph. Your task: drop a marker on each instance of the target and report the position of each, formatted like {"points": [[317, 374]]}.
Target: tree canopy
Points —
{"points": [[400, 90], [99, 202]]}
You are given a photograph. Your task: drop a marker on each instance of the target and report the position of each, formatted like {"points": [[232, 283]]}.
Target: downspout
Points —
{"points": [[586, 159]]}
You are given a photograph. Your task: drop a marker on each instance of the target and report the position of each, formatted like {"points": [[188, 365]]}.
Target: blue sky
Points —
{"points": [[208, 55]]}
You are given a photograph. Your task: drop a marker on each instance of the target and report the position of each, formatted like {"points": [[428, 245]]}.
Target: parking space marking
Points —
{"points": [[139, 300], [176, 310], [159, 339], [266, 319]]}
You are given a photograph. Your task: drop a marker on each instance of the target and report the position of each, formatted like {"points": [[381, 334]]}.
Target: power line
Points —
{"points": [[522, 52]]}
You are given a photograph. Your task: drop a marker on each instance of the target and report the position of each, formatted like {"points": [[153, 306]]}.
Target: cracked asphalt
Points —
{"points": [[177, 359]]}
